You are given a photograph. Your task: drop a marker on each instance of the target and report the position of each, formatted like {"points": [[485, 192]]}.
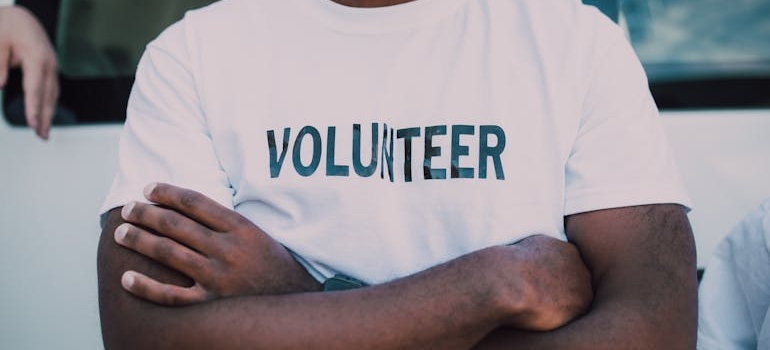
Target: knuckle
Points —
{"points": [[240, 220], [168, 221], [195, 263], [202, 294], [163, 250], [206, 232], [189, 199], [169, 295], [206, 296], [221, 265]]}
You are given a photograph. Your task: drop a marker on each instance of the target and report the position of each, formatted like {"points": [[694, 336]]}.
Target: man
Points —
{"points": [[298, 122], [23, 43]]}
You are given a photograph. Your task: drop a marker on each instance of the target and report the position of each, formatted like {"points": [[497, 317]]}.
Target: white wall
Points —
{"points": [[50, 193], [724, 157]]}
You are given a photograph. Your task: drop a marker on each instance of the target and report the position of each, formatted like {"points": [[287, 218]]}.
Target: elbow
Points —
{"points": [[129, 322], [131, 326], [126, 322]]}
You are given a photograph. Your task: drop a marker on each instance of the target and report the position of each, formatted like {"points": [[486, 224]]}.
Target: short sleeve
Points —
{"points": [[165, 138], [734, 295], [621, 155]]}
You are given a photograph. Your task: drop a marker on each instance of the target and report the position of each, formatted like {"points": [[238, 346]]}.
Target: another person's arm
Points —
{"points": [[453, 305], [643, 264], [23, 43]]}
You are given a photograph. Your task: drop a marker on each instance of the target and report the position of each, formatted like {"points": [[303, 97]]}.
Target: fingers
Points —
{"points": [[170, 224], [161, 249], [161, 293], [49, 103], [195, 205], [24, 43], [5, 58], [32, 84], [40, 92]]}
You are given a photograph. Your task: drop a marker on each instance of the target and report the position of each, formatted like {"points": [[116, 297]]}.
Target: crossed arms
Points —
{"points": [[635, 287]]}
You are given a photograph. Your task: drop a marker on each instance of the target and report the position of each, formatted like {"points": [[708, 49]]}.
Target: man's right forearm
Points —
{"points": [[442, 307]]}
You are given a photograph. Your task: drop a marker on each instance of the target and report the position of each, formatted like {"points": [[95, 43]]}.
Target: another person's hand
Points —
{"points": [[543, 281], [23, 43], [223, 252]]}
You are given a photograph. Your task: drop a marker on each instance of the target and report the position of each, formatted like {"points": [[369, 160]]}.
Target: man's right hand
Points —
{"points": [[539, 283], [542, 283], [224, 253]]}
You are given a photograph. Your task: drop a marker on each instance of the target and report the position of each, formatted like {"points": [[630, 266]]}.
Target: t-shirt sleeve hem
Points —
{"points": [[118, 198], [130, 193], [591, 200]]}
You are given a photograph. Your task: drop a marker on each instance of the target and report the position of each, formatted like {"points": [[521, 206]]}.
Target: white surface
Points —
{"points": [[49, 228], [724, 157]]}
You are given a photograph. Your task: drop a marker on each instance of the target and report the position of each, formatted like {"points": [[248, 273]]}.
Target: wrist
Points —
{"points": [[510, 285], [468, 290]]}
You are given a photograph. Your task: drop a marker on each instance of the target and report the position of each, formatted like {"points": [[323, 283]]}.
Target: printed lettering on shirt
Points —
{"points": [[373, 149]]}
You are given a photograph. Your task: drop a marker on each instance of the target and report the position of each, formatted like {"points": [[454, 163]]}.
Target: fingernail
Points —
{"points": [[120, 232], [127, 210], [148, 189], [127, 280]]}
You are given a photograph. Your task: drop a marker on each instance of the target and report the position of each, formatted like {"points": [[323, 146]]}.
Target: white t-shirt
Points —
{"points": [[735, 291], [492, 120]]}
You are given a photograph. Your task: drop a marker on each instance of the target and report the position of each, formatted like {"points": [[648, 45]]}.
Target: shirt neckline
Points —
{"points": [[377, 20]]}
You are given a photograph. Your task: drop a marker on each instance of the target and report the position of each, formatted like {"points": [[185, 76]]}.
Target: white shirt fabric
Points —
{"points": [[493, 120], [735, 291]]}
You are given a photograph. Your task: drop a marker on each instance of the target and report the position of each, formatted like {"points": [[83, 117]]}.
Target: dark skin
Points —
{"points": [[643, 264], [228, 309], [626, 280], [644, 280]]}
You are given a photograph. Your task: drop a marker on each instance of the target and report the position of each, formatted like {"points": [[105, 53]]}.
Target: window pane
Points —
{"points": [[702, 53], [699, 31], [103, 38]]}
